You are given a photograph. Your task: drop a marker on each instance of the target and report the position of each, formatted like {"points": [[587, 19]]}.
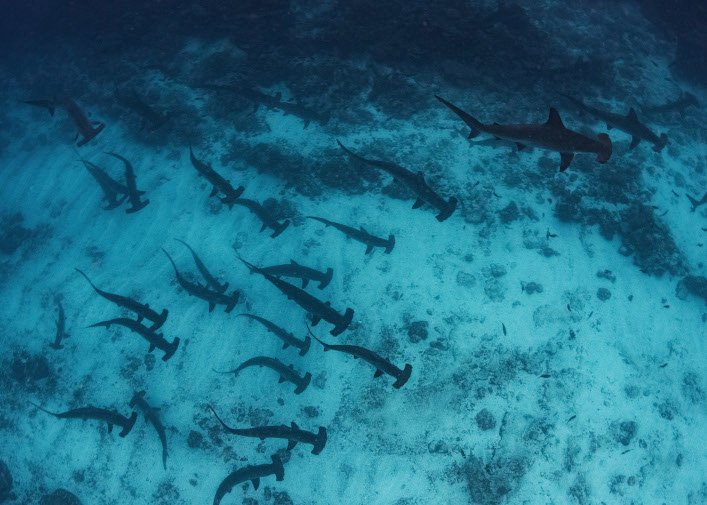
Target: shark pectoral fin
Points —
{"points": [[212, 306], [473, 134], [565, 160], [285, 345], [304, 283], [214, 191], [281, 380], [110, 428], [520, 146], [291, 444], [377, 374], [369, 248], [315, 320], [256, 483], [418, 203], [608, 126], [634, 141], [632, 114], [152, 348], [263, 227], [294, 425], [139, 318]]}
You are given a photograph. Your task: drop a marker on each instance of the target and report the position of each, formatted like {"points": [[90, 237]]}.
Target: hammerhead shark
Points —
{"points": [[87, 129], [287, 372], [156, 340], [111, 417], [684, 101], [380, 364], [361, 235], [293, 434], [274, 102], [288, 339], [306, 274], [131, 100], [60, 327], [142, 310], [251, 473], [414, 181], [628, 123], [130, 182], [209, 295], [551, 135], [208, 276], [219, 183], [151, 415], [316, 308], [265, 217], [111, 188]]}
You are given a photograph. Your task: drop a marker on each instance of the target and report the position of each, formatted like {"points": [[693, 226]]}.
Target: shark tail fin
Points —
{"points": [[169, 351], [320, 441], [391, 244], [661, 144], [605, 153], [403, 377], [327, 278], [137, 206], [129, 425]]}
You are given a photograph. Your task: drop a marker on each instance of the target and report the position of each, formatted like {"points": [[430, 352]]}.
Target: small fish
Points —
{"points": [[663, 365], [626, 451], [590, 314], [572, 334], [675, 193], [462, 453], [504, 328], [572, 418], [549, 235], [569, 308], [545, 376]]}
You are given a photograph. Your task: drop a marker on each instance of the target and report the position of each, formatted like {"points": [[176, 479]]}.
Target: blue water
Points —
{"points": [[514, 333]]}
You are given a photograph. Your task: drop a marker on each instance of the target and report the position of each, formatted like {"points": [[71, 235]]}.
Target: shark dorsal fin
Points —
{"points": [[554, 119], [632, 114]]}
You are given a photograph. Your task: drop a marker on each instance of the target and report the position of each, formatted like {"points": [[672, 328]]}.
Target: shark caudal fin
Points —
{"points": [[169, 351], [391, 244], [661, 143], [403, 377], [129, 426], [343, 323], [471, 122], [448, 210], [605, 152], [327, 278]]}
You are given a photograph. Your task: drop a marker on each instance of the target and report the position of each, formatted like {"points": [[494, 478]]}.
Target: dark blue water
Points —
{"points": [[296, 252]]}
